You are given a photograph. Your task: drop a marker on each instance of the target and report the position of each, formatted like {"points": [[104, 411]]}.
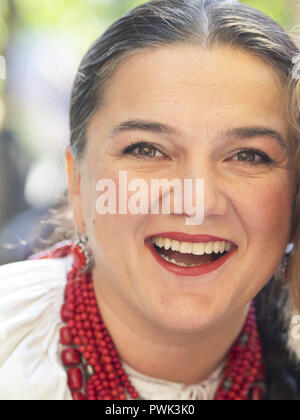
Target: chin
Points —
{"points": [[186, 313]]}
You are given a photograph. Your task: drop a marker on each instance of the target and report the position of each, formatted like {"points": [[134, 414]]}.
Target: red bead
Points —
{"points": [[66, 314], [78, 258], [75, 380], [90, 348], [106, 359], [109, 368], [113, 384], [256, 394], [71, 307], [71, 323], [71, 275], [77, 396], [65, 336], [74, 333], [80, 309], [86, 355], [61, 249], [231, 395], [243, 394], [70, 357]]}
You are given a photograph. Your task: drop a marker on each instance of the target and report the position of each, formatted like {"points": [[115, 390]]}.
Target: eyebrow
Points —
{"points": [[159, 128], [134, 125]]}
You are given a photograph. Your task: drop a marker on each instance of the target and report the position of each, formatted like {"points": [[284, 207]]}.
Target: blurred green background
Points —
{"points": [[42, 43]]}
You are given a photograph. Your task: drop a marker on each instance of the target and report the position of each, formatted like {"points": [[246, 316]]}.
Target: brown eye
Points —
{"points": [[143, 151], [147, 151], [249, 156]]}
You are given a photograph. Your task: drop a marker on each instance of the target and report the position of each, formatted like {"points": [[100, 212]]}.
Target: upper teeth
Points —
{"points": [[193, 248]]}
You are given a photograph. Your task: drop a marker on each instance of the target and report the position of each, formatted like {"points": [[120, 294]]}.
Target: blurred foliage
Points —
{"points": [[51, 12], [88, 18], [279, 10], [84, 19]]}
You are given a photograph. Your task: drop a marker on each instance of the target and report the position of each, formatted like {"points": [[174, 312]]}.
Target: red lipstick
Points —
{"points": [[190, 271], [184, 237]]}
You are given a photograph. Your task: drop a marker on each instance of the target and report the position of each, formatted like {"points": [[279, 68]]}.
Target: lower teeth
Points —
{"points": [[180, 264]]}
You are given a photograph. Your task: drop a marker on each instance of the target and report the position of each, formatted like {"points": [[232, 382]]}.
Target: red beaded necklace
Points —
{"points": [[93, 366]]}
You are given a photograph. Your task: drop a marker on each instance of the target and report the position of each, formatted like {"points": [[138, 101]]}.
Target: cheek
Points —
{"points": [[109, 233], [266, 211]]}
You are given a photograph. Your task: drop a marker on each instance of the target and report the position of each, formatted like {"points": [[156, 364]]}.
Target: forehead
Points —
{"points": [[192, 84]]}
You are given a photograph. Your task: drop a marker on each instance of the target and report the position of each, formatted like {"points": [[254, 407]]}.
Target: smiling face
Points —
{"points": [[201, 96]]}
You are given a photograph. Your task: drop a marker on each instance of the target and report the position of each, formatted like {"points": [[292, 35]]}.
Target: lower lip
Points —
{"points": [[191, 271]]}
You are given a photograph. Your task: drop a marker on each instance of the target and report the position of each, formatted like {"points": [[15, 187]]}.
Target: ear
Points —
{"points": [[74, 183]]}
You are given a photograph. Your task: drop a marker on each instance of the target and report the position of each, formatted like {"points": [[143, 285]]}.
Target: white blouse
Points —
{"points": [[31, 296]]}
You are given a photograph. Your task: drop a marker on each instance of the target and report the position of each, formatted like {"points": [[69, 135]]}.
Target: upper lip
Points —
{"points": [[184, 237]]}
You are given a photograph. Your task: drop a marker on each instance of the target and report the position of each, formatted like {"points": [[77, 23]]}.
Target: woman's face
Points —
{"points": [[248, 195]]}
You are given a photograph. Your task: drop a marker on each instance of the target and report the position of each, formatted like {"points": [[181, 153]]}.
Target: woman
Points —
{"points": [[157, 308]]}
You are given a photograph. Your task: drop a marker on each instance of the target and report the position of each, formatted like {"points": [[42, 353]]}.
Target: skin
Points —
{"points": [[166, 326]]}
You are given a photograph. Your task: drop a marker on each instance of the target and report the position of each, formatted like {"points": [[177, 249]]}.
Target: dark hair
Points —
{"points": [[204, 23]]}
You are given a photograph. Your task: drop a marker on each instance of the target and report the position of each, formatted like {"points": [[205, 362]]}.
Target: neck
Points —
{"points": [[153, 352]]}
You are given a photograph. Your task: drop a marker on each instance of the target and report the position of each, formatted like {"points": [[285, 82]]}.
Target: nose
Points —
{"points": [[214, 199]]}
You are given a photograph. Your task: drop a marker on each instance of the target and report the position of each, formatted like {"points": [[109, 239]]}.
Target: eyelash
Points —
{"points": [[129, 149], [266, 160]]}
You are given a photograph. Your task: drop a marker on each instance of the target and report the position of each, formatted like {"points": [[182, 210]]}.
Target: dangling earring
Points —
{"points": [[82, 255], [288, 251]]}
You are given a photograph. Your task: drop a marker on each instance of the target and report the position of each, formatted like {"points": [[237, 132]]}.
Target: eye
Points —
{"points": [[253, 157], [144, 151]]}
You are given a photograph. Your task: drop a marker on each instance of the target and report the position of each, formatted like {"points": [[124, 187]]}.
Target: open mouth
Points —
{"points": [[188, 254]]}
